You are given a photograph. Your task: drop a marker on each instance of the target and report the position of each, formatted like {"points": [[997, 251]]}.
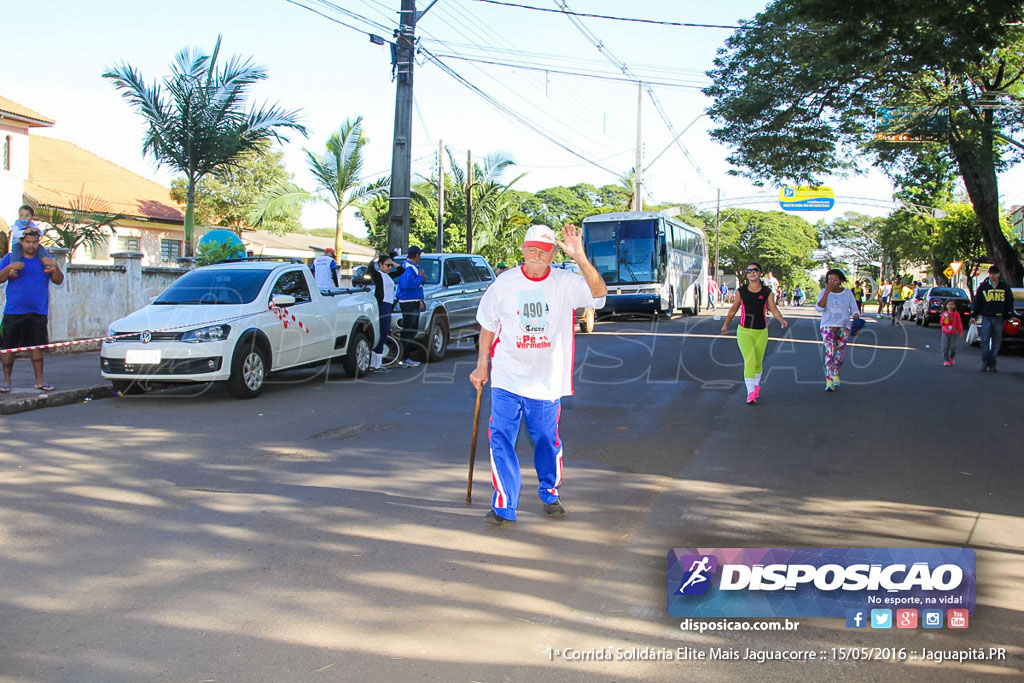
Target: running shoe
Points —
{"points": [[829, 385], [946, 363], [409, 363], [493, 519], [836, 383], [554, 509], [757, 392], [952, 361], [752, 398]]}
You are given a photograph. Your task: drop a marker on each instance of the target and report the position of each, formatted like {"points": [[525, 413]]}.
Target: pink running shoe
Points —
{"points": [[752, 398], [757, 392], [946, 362]]}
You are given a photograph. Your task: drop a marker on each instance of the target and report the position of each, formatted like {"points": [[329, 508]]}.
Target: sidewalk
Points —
{"points": [[76, 377]]}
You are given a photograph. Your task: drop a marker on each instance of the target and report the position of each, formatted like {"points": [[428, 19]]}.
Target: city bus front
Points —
{"points": [[628, 251]]}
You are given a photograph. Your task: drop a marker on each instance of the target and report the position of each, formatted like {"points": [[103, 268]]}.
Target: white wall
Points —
{"points": [[11, 182], [93, 296]]}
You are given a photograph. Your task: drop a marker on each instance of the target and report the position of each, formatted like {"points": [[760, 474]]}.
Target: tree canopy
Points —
{"points": [[798, 92], [232, 192]]}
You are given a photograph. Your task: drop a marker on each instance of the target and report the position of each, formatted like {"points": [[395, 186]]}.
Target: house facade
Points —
{"points": [[50, 172], [15, 123]]}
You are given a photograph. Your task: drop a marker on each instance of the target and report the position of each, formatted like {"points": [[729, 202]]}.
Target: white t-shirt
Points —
{"points": [[534, 323], [388, 285], [838, 309], [323, 271]]}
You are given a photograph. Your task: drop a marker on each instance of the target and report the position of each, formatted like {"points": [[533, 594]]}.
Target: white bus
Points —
{"points": [[651, 263]]}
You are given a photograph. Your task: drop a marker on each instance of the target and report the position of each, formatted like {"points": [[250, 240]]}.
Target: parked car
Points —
{"points": [[586, 318], [933, 302], [1012, 332], [237, 322], [452, 288], [910, 307]]}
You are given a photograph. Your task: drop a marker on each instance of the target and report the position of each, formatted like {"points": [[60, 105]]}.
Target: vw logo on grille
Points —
{"points": [[146, 337]]}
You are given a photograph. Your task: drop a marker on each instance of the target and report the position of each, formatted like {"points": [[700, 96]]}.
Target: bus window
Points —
{"points": [[637, 251], [602, 249]]}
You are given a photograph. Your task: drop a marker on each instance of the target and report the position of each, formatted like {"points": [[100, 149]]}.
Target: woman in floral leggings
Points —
{"points": [[838, 307]]}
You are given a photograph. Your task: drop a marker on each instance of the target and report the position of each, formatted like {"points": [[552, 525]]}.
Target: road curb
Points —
{"points": [[21, 404]]}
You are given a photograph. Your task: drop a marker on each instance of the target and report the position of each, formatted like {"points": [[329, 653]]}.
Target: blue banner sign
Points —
{"points": [[817, 582]]}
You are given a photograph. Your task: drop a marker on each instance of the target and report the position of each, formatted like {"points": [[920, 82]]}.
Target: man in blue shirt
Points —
{"points": [[410, 299], [28, 305]]}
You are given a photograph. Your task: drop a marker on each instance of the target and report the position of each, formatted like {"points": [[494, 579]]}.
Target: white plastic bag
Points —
{"points": [[973, 336]]}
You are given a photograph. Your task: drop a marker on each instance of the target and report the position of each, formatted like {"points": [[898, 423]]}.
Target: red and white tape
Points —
{"points": [[283, 315], [287, 317]]}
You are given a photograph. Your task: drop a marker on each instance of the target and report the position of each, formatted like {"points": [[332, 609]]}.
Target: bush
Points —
{"points": [[211, 252]]}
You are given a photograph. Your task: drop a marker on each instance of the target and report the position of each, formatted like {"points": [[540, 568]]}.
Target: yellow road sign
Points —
{"points": [[949, 272], [956, 266]]}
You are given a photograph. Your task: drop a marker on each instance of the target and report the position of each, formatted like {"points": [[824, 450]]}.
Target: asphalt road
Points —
{"points": [[320, 531]]}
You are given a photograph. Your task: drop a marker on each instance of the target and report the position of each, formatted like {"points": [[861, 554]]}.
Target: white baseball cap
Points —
{"points": [[540, 236]]}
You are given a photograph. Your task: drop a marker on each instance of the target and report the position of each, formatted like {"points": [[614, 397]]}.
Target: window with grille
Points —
{"points": [[127, 244], [170, 250]]}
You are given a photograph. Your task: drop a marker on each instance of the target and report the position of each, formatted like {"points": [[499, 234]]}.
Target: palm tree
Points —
{"points": [[338, 170], [197, 119], [86, 221]]}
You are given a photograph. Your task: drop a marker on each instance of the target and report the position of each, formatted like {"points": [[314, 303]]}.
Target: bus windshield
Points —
{"points": [[623, 251]]}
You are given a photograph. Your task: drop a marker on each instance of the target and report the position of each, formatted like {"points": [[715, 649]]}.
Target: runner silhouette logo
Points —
{"points": [[696, 580]]}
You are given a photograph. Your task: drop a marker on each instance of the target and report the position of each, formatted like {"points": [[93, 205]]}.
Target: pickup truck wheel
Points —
{"points": [[128, 387], [357, 361], [588, 321], [437, 339], [248, 370]]}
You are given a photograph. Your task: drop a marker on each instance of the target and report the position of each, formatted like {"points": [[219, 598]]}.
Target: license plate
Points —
{"points": [[142, 357]]}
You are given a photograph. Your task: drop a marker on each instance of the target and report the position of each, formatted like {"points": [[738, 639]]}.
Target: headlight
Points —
{"points": [[111, 331], [206, 334]]}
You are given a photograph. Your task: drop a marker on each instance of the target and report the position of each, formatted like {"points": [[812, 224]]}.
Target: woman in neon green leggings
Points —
{"points": [[752, 335]]}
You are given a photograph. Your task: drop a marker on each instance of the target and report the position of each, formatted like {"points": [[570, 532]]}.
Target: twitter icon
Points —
{"points": [[881, 618]]}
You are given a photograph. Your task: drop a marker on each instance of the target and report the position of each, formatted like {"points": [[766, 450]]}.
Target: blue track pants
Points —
{"points": [[508, 410]]}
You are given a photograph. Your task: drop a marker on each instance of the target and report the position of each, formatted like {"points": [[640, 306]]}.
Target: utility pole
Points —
{"points": [[469, 202], [401, 156], [440, 196], [718, 236], [638, 172]]}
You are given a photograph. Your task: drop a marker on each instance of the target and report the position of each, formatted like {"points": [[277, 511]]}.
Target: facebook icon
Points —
{"points": [[856, 618]]}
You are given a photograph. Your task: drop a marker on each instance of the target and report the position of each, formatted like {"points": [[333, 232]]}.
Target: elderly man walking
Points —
{"points": [[526, 349]]}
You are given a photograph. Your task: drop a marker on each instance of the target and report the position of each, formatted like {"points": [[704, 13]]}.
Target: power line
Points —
{"points": [[607, 77], [624, 68], [505, 109], [330, 18], [658, 22]]}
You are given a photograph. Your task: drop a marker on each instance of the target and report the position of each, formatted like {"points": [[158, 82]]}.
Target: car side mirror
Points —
{"points": [[282, 300], [452, 279]]}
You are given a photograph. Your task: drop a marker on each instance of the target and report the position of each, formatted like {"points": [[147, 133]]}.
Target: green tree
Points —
{"points": [[197, 119], [780, 242], [959, 237], [905, 238], [232, 192], [338, 171], [86, 222], [854, 232], [798, 89]]}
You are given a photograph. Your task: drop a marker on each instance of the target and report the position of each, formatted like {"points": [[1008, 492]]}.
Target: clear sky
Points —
{"points": [[331, 72]]}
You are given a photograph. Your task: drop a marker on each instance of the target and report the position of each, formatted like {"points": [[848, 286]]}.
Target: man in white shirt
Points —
{"points": [[527, 318], [325, 269]]}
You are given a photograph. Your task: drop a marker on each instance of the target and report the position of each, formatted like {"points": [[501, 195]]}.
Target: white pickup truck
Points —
{"points": [[237, 322]]}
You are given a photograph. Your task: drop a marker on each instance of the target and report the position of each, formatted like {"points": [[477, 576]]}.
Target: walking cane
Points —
{"points": [[472, 446]]}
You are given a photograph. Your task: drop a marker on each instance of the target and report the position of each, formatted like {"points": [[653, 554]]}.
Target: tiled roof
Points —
{"points": [[33, 118], [60, 171]]}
